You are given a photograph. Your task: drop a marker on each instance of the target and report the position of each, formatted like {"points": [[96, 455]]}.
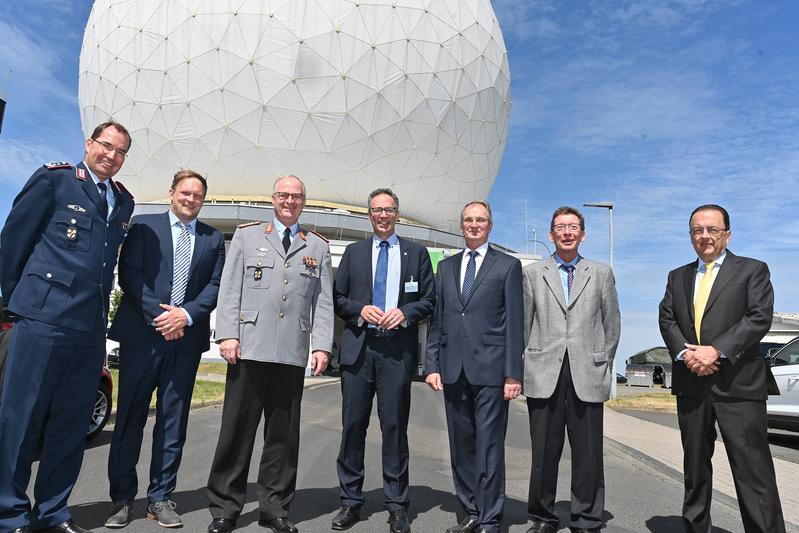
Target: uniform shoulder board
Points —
{"points": [[318, 235], [56, 165], [122, 188], [248, 224]]}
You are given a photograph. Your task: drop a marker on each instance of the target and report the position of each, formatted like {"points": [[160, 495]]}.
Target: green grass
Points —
{"points": [[204, 391], [647, 401], [213, 368]]}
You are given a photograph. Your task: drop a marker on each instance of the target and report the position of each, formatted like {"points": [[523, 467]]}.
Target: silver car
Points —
{"points": [[783, 410]]}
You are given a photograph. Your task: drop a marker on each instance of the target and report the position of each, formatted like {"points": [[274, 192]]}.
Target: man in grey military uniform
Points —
{"points": [[275, 302]]}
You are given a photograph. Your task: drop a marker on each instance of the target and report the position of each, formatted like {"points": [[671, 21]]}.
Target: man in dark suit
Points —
{"points": [[169, 271], [384, 287], [571, 328], [712, 317], [474, 353], [59, 249]]}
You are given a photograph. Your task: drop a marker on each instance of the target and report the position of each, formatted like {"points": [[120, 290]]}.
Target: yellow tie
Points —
{"points": [[701, 297]]}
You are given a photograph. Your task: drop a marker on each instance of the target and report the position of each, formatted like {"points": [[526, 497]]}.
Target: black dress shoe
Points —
{"points": [[398, 522], [23, 529], [221, 525], [542, 527], [280, 524], [467, 525], [65, 527], [346, 518]]}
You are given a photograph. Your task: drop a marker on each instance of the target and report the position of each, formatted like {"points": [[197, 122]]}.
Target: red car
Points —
{"points": [[102, 405]]}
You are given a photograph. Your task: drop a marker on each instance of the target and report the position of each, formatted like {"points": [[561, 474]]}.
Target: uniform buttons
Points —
{"points": [[73, 221], [48, 275], [241, 318], [104, 263], [285, 282], [281, 315], [258, 263], [286, 265], [108, 225], [463, 314], [284, 297], [106, 244]]}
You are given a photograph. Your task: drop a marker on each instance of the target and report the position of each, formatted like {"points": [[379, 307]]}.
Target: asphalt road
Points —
{"points": [[640, 497]]}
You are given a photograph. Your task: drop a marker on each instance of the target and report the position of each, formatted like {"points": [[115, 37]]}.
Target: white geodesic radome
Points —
{"points": [[349, 95]]}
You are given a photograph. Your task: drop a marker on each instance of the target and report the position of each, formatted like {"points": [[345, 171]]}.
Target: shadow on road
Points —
{"points": [[670, 524]]}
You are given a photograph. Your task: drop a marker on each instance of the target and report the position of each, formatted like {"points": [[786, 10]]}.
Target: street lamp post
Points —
{"points": [[609, 207]]}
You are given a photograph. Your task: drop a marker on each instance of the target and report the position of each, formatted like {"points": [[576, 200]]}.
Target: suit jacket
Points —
{"points": [[353, 290], [276, 304], [57, 248], [587, 328], [737, 316], [145, 275], [482, 336]]}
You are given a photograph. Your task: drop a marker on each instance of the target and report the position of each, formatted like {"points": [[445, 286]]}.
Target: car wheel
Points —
{"points": [[100, 413]]}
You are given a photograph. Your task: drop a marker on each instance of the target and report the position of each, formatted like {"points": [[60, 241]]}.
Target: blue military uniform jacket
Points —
{"points": [[58, 252]]}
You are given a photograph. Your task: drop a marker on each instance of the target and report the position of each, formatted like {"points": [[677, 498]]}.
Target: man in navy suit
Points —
{"points": [[59, 249], [169, 271], [474, 353], [384, 287]]}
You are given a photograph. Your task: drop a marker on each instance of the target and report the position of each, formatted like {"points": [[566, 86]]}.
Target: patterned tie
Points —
{"points": [[468, 278], [103, 199], [569, 279], [287, 240], [381, 275], [180, 272], [700, 301]]}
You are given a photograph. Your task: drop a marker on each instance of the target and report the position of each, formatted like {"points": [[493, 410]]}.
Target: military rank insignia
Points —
{"points": [[310, 262], [257, 274]]}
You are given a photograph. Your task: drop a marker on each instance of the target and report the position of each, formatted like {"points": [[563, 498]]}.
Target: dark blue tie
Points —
{"points": [[103, 199], [468, 278], [569, 279], [381, 274]]}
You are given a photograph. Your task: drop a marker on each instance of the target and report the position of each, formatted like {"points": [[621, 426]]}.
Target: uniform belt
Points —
{"points": [[380, 332]]}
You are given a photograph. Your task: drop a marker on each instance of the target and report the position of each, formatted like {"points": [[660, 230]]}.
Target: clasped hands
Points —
{"points": [[171, 322], [391, 319], [701, 360]]}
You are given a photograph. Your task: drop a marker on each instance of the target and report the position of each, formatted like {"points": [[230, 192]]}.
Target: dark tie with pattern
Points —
{"points": [[381, 276], [103, 199], [287, 240], [468, 278], [180, 272], [569, 279]]}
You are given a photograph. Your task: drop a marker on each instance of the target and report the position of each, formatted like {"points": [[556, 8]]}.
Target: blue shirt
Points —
{"points": [[109, 190], [394, 266], [564, 276], [280, 228], [175, 229]]}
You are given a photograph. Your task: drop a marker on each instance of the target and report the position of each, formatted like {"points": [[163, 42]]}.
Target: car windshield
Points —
{"points": [[789, 355]]}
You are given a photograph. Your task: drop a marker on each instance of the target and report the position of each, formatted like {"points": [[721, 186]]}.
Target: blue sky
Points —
{"points": [[656, 106]]}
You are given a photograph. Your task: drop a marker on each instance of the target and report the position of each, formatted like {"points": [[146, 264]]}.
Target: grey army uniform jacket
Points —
{"points": [[277, 304]]}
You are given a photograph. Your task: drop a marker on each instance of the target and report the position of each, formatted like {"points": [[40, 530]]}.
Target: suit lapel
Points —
{"points": [[89, 187], [297, 244], [689, 280], [581, 278], [199, 248], [456, 272], [272, 237], [167, 248], [552, 279], [727, 271], [403, 249]]}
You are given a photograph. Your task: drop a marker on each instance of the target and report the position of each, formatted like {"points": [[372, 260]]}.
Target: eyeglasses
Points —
{"points": [[108, 147], [713, 232], [481, 221], [560, 228], [380, 210], [283, 196]]}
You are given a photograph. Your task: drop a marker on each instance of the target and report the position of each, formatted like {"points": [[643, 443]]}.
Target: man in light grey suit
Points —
{"points": [[571, 327], [275, 304]]}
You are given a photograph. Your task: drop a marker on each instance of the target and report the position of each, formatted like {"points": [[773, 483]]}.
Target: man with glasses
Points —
{"points": [[474, 353], [59, 249], [275, 304], [384, 288], [715, 312], [571, 331]]}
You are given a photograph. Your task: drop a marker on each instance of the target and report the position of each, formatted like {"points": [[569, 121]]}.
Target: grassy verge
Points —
{"points": [[212, 368], [204, 391], [646, 401]]}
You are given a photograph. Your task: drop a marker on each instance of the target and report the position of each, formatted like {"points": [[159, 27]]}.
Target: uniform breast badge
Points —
{"points": [[257, 274], [72, 233], [310, 263]]}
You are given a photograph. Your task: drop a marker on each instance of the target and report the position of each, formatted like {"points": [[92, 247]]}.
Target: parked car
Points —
{"points": [[102, 404], [783, 410], [112, 360], [621, 378]]}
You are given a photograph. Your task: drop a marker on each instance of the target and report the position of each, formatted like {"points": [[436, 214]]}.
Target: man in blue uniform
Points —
{"points": [[58, 250]]}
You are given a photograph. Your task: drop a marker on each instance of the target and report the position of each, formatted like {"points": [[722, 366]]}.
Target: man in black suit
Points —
{"points": [[384, 287], [712, 317], [169, 270], [474, 353]]}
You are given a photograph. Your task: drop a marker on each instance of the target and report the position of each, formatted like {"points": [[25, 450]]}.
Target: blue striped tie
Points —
{"points": [[468, 278], [381, 276], [180, 273], [569, 279]]}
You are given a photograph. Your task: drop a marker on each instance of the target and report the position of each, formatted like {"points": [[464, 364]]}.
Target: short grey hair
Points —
{"points": [[478, 202], [281, 178], [384, 190]]}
